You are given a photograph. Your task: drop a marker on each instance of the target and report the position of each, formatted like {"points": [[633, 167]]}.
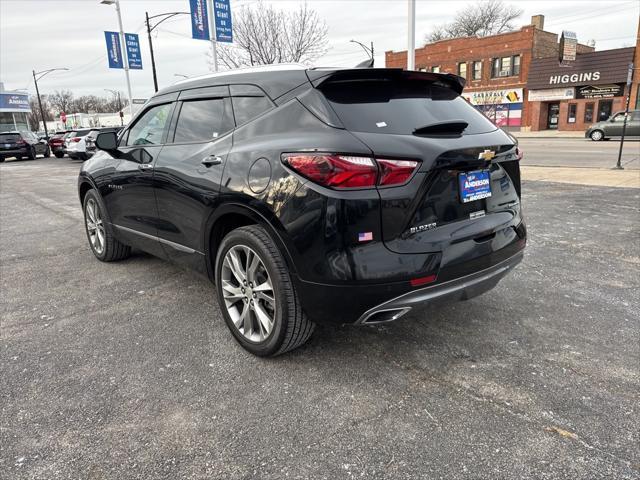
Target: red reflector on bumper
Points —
{"points": [[416, 282]]}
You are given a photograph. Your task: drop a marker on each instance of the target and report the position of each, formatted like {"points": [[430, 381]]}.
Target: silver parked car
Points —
{"points": [[612, 127]]}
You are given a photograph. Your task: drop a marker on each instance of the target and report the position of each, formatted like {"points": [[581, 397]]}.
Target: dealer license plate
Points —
{"points": [[474, 185]]}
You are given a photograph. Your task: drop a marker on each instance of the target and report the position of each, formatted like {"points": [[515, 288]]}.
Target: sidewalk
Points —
{"points": [[548, 134], [600, 177]]}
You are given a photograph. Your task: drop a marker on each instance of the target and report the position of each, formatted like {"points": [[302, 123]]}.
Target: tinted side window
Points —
{"points": [[247, 108], [149, 128], [203, 120]]}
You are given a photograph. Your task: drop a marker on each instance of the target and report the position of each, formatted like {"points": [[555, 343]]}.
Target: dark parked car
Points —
{"points": [[312, 195], [56, 143], [612, 127], [22, 144]]}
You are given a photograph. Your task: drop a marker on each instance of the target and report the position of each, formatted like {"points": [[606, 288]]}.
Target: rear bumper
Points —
{"points": [[13, 152], [462, 288]]}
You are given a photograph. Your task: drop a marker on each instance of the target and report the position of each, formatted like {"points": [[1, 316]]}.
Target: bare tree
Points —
{"points": [[264, 35], [61, 101], [478, 20], [35, 116]]}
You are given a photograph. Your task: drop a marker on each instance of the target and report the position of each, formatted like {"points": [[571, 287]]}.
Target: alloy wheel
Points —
{"points": [[596, 135], [248, 293], [95, 226]]}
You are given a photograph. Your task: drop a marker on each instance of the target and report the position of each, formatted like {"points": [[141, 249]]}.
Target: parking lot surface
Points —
{"points": [[127, 370]]}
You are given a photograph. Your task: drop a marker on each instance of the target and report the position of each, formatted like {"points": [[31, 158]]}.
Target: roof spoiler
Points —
{"points": [[319, 76]]}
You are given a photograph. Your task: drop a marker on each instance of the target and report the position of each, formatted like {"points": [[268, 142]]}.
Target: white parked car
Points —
{"points": [[79, 144]]}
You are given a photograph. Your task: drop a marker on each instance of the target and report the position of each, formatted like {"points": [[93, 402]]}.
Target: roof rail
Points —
{"points": [[259, 68]]}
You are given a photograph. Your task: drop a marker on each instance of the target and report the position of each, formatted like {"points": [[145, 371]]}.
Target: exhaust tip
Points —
{"points": [[383, 316]]}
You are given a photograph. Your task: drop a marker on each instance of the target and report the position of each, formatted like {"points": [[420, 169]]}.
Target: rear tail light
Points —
{"points": [[395, 172], [75, 139], [21, 141], [348, 171], [336, 171], [519, 153]]}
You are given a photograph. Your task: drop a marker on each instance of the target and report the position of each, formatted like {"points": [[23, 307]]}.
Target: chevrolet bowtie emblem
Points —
{"points": [[486, 155]]}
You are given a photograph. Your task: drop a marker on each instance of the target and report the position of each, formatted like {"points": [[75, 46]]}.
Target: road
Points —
{"points": [[579, 152], [127, 370]]}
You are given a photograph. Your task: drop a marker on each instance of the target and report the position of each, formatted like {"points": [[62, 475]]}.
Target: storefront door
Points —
{"points": [[553, 115], [604, 110]]}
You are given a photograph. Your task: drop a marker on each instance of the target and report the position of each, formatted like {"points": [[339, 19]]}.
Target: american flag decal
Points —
{"points": [[365, 236]]}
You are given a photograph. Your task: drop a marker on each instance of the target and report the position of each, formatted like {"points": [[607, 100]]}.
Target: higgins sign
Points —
{"points": [[574, 78], [13, 102]]}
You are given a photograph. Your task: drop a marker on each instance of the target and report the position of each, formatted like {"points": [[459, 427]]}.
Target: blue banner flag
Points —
{"points": [[222, 15], [199, 20], [133, 51], [114, 50]]}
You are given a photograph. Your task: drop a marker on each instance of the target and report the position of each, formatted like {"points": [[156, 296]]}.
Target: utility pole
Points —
{"points": [[35, 81], [411, 34], [626, 116], [150, 29], [44, 122]]}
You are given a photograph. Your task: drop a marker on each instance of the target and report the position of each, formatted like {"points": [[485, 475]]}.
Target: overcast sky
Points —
{"points": [[42, 34]]}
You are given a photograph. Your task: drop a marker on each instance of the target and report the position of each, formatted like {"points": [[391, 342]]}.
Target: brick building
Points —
{"points": [[496, 68], [572, 97]]}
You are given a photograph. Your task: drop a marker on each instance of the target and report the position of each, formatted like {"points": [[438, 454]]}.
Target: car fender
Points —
{"points": [[257, 217]]}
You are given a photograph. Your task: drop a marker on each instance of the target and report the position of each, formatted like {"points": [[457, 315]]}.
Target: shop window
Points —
{"points": [[571, 113], [505, 66], [477, 70], [462, 69], [588, 112], [435, 69]]}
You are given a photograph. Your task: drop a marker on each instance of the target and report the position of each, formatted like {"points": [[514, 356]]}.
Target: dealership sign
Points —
{"points": [[600, 91], [14, 102], [551, 94], [494, 97]]}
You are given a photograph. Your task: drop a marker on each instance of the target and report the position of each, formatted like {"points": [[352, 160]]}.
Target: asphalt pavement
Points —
{"points": [[579, 152], [127, 370]]}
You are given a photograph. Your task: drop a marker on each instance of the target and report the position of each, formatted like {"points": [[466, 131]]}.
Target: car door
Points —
{"points": [[188, 172], [633, 123], [129, 196], [613, 128]]}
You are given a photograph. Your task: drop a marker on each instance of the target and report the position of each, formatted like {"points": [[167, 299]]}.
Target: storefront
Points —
{"points": [[14, 111], [502, 107], [575, 95]]}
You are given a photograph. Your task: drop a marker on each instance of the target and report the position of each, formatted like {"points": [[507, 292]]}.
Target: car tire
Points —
{"points": [[59, 155], [99, 230], [597, 135], [32, 153], [286, 326], [47, 153], [1, 160]]}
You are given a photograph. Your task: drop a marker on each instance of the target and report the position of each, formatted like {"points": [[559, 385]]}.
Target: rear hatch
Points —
{"points": [[461, 190], [10, 141]]}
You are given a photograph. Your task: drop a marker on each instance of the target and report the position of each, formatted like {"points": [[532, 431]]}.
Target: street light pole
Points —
{"points": [[123, 40], [35, 81], [411, 34], [626, 115], [149, 30], [368, 50]]}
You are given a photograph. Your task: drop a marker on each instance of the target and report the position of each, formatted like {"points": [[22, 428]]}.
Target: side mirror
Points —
{"points": [[107, 141]]}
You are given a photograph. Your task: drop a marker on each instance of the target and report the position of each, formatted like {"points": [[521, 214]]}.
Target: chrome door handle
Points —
{"points": [[145, 166], [211, 160]]}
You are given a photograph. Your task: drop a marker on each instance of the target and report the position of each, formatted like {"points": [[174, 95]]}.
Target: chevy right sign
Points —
{"points": [[222, 15]]}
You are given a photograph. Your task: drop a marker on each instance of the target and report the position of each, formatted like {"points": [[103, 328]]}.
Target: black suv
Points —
{"points": [[312, 195], [22, 144]]}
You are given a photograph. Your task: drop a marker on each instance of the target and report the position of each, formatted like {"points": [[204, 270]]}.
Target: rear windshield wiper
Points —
{"points": [[452, 127]]}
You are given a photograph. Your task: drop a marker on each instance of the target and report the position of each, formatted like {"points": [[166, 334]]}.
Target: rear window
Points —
{"points": [[400, 106], [9, 137]]}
